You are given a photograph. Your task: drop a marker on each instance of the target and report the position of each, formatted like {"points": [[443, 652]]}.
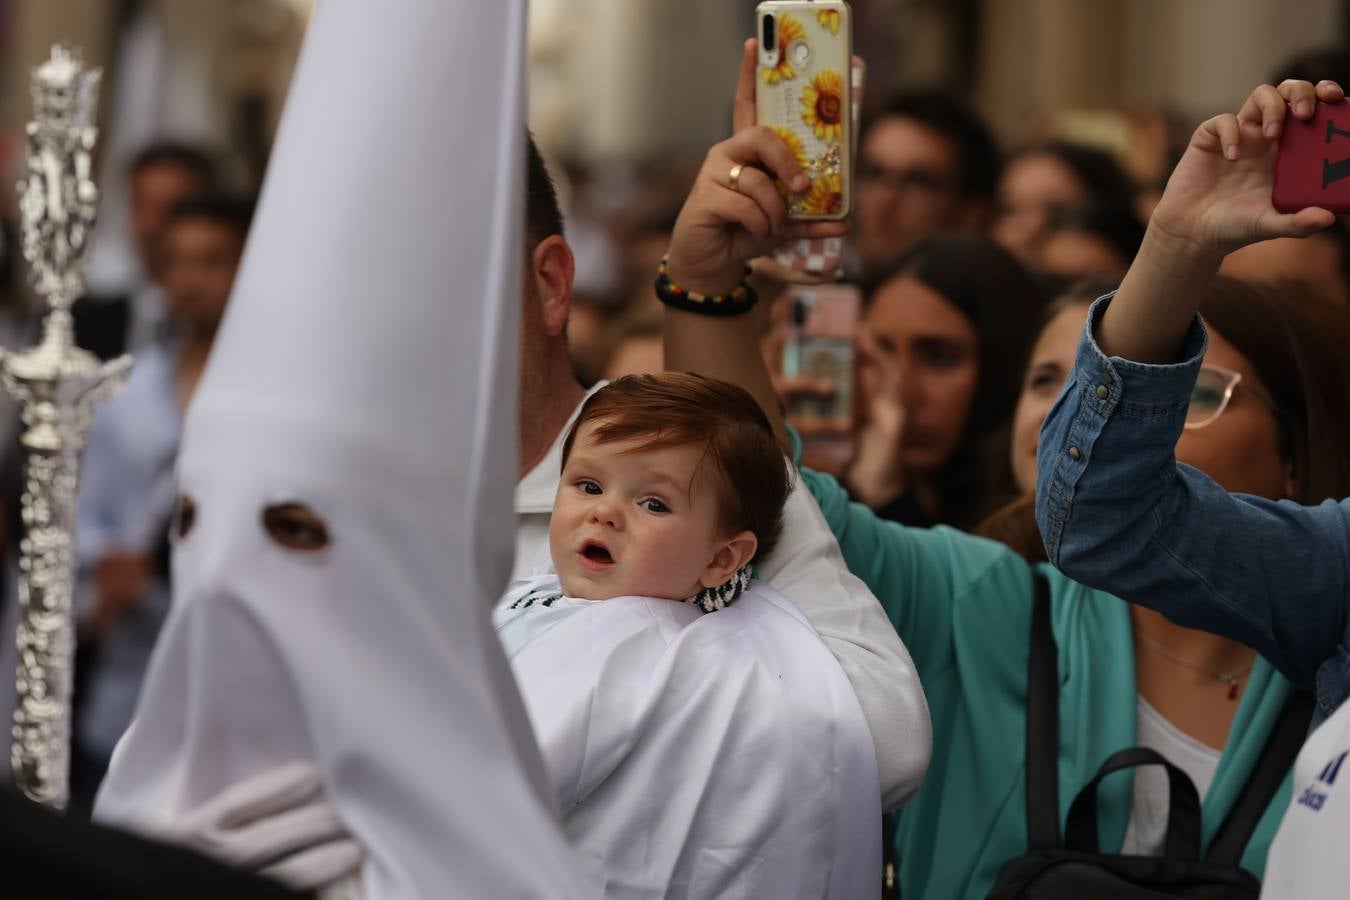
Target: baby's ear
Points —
{"points": [[734, 553]]}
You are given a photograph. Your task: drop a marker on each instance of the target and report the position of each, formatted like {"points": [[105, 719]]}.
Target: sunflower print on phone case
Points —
{"points": [[803, 100]]}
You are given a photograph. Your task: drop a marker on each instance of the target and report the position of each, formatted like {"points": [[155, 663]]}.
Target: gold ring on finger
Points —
{"points": [[734, 178]]}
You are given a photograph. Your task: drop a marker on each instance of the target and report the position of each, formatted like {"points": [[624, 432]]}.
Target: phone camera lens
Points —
{"points": [[769, 35], [800, 310]]}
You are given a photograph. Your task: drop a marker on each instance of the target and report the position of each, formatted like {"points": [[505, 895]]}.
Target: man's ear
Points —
{"points": [[552, 268], [1290, 484], [734, 553]]}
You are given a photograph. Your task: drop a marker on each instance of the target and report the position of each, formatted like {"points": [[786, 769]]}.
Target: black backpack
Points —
{"points": [[1076, 867]]}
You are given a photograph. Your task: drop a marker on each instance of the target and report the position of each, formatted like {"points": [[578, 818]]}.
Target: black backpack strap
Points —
{"points": [[1042, 780], [1183, 806], [1267, 775]]}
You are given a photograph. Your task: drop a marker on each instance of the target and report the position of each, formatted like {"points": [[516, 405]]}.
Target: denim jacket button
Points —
{"points": [[1075, 453], [1103, 391]]}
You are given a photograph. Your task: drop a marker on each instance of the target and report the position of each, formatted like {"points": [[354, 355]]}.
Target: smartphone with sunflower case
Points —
{"points": [[805, 95], [821, 256]]}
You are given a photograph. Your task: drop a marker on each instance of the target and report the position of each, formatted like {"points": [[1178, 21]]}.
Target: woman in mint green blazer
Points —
{"points": [[963, 605]]}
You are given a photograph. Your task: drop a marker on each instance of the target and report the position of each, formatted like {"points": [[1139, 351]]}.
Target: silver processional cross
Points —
{"points": [[56, 385]]}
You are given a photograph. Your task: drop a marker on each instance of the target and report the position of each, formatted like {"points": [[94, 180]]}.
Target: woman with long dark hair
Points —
{"points": [[952, 315], [1041, 184]]}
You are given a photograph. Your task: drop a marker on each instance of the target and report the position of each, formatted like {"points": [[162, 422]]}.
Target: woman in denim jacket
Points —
{"points": [[1118, 512]]}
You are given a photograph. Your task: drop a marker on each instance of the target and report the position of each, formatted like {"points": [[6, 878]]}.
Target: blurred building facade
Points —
{"points": [[208, 72], [640, 79], [621, 89]]}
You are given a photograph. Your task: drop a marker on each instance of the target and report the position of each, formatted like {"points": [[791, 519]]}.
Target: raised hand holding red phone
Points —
{"points": [[1217, 200], [1218, 197], [1313, 166]]}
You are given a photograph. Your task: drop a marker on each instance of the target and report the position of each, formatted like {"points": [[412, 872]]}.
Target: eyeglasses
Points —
{"points": [[904, 180], [1212, 393]]}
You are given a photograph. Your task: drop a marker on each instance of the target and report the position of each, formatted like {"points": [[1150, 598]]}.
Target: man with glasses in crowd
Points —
{"points": [[926, 163]]}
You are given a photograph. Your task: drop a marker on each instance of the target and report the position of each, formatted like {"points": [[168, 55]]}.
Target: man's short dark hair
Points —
{"points": [[1317, 64], [1116, 225], [222, 209], [184, 156], [980, 161], [1106, 180], [543, 216]]}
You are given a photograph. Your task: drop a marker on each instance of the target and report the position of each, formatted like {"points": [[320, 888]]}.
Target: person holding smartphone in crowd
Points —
{"points": [[966, 608], [1118, 512]]}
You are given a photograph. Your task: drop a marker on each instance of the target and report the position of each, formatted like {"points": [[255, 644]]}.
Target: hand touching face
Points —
{"points": [[936, 348]]}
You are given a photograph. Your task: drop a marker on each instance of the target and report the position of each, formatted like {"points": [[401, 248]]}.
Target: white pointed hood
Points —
{"points": [[367, 370]]}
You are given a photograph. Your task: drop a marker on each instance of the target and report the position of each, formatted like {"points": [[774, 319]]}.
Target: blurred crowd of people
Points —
{"points": [[964, 251], [976, 265]]}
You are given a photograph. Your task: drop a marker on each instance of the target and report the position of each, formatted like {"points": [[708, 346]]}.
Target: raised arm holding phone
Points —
{"points": [[721, 227], [965, 608], [1217, 200], [1118, 512]]}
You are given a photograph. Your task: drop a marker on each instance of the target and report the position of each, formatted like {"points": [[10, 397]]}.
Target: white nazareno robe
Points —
{"points": [[699, 756]]}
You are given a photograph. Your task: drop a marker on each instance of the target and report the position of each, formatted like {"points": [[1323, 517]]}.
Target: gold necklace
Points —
{"points": [[1232, 679]]}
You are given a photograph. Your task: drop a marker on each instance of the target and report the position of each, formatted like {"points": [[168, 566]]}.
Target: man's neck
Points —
{"points": [[544, 410], [193, 350], [192, 354]]}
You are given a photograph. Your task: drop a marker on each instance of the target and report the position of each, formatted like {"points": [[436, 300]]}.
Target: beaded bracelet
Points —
{"points": [[739, 300]]}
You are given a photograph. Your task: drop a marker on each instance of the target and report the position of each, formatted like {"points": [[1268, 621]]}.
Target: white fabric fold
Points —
{"points": [[700, 756]]}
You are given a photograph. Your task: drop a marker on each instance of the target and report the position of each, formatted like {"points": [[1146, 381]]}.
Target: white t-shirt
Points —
{"points": [[1310, 857], [1147, 830]]}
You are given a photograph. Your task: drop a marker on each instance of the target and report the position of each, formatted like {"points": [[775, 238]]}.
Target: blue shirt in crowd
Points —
{"points": [[1119, 513], [126, 497]]}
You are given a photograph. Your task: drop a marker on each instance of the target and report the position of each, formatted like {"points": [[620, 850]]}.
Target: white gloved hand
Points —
{"points": [[278, 824]]}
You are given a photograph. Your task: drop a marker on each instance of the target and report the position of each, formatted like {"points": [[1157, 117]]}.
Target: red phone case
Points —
{"points": [[1313, 165]]}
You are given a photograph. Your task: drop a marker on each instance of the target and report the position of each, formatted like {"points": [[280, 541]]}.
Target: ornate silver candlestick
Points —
{"points": [[56, 385]]}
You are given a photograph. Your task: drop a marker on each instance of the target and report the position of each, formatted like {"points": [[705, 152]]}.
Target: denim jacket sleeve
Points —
{"points": [[1118, 513]]}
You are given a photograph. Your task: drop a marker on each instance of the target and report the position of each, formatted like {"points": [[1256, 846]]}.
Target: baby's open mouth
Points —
{"points": [[597, 553]]}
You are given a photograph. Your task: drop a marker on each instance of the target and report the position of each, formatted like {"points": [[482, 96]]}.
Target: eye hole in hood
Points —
{"points": [[295, 527], [184, 517]]}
